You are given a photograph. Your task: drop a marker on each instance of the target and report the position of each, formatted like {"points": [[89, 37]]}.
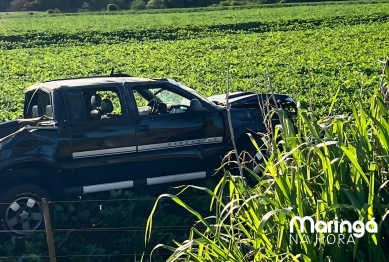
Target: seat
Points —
{"points": [[162, 109], [96, 112], [153, 103], [107, 108], [49, 111], [144, 110]]}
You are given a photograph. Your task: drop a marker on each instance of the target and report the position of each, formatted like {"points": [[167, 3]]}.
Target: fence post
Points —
{"points": [[49, 231]]}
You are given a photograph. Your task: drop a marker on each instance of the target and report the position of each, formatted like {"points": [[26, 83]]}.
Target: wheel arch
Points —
{"points": [[40, 172]]}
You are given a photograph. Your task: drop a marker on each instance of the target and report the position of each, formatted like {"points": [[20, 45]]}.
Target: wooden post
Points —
{"points": [[49, 231]]}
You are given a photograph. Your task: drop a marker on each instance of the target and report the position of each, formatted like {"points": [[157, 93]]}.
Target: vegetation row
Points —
{"points": [[57, 38]]}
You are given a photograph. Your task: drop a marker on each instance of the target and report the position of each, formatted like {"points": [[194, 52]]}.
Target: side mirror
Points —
{"points": [[196, 107]]}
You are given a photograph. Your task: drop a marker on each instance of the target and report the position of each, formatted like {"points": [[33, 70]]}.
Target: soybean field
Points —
{"points": [[309, 52], [305, 49]]}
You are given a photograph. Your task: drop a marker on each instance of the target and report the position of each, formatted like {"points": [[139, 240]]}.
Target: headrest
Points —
{"points": [[37, 111], [106, 106], [95, 101], [162, 108], [195, 104], [49, 111]]}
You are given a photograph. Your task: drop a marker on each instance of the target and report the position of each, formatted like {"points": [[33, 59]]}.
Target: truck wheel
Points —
{"points": [[252, 158], [248, 156], [21, 209]]}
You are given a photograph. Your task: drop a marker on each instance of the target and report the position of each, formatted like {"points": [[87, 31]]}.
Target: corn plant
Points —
{"points": [[332, 169]]}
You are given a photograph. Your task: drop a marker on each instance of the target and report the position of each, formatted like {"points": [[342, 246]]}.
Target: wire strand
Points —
{"points": [[69, 256], [115, 200], [107, 200], [129, 229]]}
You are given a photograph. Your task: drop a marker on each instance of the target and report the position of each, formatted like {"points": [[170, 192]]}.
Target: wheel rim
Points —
{"points": [[24, 214], [258, 161]]}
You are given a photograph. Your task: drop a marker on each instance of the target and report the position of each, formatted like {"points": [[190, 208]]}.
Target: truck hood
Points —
{"points": [[248, 110], [256, 100]]}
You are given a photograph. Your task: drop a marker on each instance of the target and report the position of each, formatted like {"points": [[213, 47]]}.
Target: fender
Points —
{"points": [[243, 121], [41, 170], [30, 161], [29, 153], [29, 144]]}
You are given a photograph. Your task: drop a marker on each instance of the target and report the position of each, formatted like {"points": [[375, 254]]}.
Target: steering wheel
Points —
{"points": [[153, 104]]}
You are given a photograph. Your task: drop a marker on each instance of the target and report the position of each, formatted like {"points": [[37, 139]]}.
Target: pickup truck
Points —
{"points": [[92, 134]]}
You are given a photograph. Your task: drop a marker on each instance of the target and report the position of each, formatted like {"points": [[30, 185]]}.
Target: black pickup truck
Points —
{"points": [[95, 134]]}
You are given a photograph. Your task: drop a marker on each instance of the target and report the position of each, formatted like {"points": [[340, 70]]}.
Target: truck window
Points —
{"points": [[76, 105], [113, 98], [157, 100], [37, 104], [94, 104]]}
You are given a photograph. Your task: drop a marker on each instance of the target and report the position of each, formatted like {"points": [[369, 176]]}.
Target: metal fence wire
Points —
{"points": [[52, 237]]}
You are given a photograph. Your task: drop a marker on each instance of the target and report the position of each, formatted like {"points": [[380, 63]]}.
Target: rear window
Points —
{"points": [[76, 105], [37, 104], [94, 103]]}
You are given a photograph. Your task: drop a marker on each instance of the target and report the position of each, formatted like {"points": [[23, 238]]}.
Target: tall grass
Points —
{"points": [[334, 167]]}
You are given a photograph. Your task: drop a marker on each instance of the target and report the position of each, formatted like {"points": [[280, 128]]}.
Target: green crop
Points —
{"points": [[31, 31], [110, 23], [334, 167], [300, 62], [310, 52]]}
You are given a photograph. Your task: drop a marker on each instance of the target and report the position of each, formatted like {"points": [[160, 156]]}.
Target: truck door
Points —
{"points": [[170, 139], [102, 134]]}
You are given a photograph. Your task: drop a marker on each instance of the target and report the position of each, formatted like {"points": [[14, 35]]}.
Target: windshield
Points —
{"points": [[192, 91], [169, 97]]}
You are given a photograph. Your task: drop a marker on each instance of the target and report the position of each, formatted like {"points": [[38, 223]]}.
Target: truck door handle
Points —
{"points": [[78, 136], [143, 128]]}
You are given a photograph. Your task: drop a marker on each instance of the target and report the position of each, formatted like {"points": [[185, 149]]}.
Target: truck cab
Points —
{"points": [[95, 134]]}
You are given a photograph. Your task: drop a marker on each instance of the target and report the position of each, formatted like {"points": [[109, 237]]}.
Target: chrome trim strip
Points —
{"points": [[144, 148], [175, 178], [184, 143], [108, 187], [103, 152], [149, 182]]}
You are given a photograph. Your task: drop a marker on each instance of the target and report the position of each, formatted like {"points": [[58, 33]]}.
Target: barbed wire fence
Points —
{"points": [[49, 232]]}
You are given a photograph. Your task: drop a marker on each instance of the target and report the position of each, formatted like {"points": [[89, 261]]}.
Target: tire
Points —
{"points": [[21, 209]]}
